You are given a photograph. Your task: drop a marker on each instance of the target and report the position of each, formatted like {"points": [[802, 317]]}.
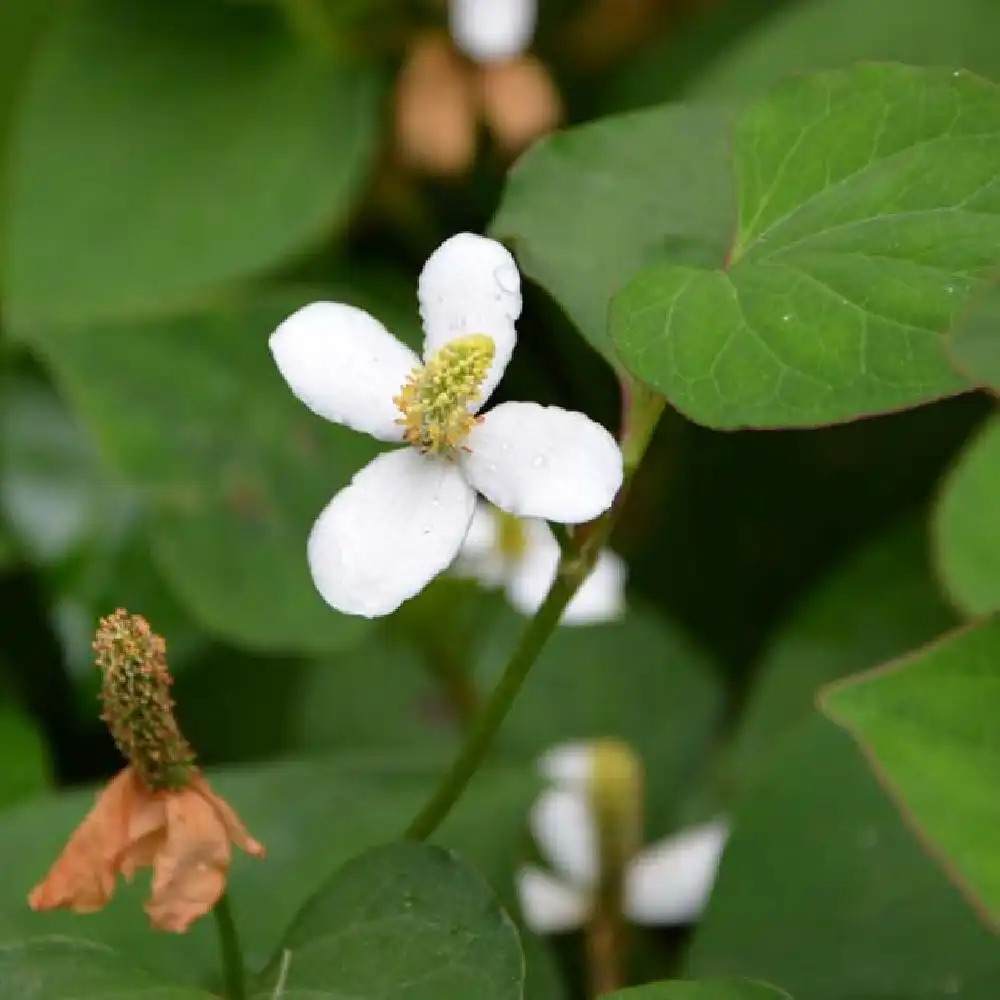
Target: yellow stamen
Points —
{"points": [[435, 400]]}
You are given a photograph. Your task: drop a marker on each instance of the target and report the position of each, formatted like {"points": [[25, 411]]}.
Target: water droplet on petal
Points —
{"points": [[507, 279], [539, 462]]}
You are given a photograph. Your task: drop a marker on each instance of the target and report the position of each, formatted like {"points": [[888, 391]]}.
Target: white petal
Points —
{"points": [[480, 557], [600, 599], [489, 30], [532, 574], [384, 537], [569, 764], [549, 906], [471, 284], [344, 365], [543, 461], [564, 829], [670, 882]]}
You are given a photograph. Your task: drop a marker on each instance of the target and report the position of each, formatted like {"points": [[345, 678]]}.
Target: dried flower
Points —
{"points": [[447, 86], [159, 812]]}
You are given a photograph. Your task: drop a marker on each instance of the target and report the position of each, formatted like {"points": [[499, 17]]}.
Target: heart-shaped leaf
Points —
{"points": [[927, 722], [407, 921], [55, 968], [164, 148], [824, 889], [588, 207], [193, 413], [869, 212], [965, 525]]}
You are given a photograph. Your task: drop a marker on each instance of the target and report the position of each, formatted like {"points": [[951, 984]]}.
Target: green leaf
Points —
{"points": [[927, 723], [666, 705], [234, 470], [828, 34], [312, 816], [375, 695], [56, 968], [968, 548], [975, 341], [586, 208], [823, 889], [164, 148], [869, 212], [21, 24], [881, 602], [406, 921], [732, 989]]}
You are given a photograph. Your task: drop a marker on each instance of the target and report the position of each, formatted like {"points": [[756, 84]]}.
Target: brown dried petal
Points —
{"points": [[233, 825], [190, 870], [83, 876], [520, 102], [436, 109]]}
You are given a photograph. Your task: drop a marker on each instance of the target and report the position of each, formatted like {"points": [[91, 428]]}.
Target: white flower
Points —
{"points": [[404, 516], [668, 882], [492, 30], [522, 556]]}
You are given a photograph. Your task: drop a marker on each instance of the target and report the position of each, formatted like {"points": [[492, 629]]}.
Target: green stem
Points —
{"points": [[641, 413], [481, 734], [229, 949]]}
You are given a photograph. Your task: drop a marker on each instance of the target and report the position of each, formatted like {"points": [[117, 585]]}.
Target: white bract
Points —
{"points": [[403, 517], [492, 30], [521, 555], [666, 883]]}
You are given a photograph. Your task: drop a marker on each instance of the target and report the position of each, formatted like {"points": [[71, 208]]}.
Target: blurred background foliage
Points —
{"points": [[179, 176]]}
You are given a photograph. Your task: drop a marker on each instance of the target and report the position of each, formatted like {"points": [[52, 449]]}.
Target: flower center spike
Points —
{"points": [[138, 708], [512, 540], [436, 398]]}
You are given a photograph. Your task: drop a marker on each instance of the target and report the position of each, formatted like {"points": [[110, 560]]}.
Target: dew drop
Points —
{"points": [[507, 279], [786, 318], [539, 462]]}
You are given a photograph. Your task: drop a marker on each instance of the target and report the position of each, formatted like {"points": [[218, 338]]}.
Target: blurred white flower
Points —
{"points": [[404, 516], [521, 555], [492, 30], [666, 883]]}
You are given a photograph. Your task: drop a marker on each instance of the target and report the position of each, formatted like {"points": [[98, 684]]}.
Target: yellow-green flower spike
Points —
{"points": [[435, 400], [138, 709], [616, 798], [512, 539]]}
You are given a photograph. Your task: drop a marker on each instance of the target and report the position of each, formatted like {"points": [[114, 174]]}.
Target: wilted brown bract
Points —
{"points": [[183, 834]]}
